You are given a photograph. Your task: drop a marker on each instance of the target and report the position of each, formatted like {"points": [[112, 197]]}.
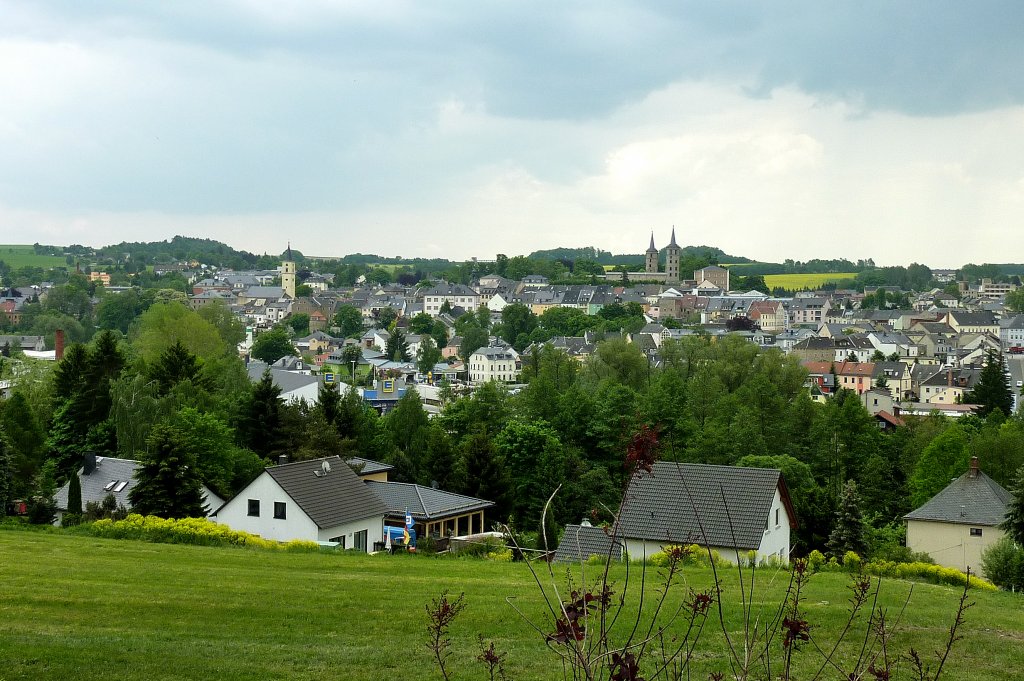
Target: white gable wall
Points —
{"points": [[297, 525]]}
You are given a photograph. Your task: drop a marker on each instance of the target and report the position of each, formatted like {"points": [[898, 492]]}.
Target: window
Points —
{"points": [[776, 517], [109, 486], [975, 531], [120, 486], [280, 510], [359, 540], [340, 541], [254, 508]]}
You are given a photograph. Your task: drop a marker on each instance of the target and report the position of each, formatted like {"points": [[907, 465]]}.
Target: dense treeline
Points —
{"points": [[172, 389]]}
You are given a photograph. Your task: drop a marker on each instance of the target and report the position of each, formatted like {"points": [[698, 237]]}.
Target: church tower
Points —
{"points": [[672, 255], [651, 263], [288, 273]]}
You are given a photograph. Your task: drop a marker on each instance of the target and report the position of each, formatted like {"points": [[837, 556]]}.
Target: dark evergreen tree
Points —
{"points": [[167, 481], [993, 388], [1014, 523], [441, 463], [74, 512], [259, 424], [328, 402], [177, 364], [848, 533], [6, 474], [397, 348], [486, 476]]}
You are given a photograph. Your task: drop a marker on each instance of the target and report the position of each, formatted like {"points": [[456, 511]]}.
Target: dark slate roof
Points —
{"points": [[107, 470], [733, 504], [329, 500], [368, 466], [424, 503], [977, 500], [580, 542]]}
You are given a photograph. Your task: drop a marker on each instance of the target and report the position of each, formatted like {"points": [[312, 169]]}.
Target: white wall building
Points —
{"points": [[492, 364]]}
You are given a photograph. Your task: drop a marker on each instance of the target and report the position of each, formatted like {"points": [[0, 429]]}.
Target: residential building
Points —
{"points": [[732, 510], [956, 525], [456, 295], [493, 364]]}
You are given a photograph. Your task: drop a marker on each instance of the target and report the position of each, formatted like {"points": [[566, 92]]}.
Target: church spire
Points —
{"points": [[673, 243], [651, 248], [288, 254]]}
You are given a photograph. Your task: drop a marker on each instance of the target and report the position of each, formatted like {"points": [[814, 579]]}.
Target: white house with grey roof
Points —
{"points": [[729, 509], [315, 500], [493, 364], [956, 525]]}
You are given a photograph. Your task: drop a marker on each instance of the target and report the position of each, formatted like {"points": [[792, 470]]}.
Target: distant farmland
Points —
{"points": [[797, 282], [24, 256]]}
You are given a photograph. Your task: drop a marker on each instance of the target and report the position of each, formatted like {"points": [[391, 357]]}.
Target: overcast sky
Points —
{"points": [[891, 130]]}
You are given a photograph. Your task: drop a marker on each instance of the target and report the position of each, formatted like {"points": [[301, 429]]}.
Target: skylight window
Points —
{"points": [[121, 485], [109, 486]]}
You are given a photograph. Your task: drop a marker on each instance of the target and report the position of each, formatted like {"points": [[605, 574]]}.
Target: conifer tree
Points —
{"points": [[848, 533], [397, 348], [168, 483], [6, 474], [993, 388], [74, 495], [1014, 523]]}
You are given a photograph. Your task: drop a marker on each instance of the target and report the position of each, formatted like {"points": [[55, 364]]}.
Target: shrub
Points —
{"points": [[851, 561], [815, 560], [195, 531], [1003, 563], [936, 574]]}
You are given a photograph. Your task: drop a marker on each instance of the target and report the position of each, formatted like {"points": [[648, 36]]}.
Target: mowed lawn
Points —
{"points": [[17, 256], [75, 607]]}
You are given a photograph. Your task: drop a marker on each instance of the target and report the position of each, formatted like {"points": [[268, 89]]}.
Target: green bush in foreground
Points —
{"points": [[195, 531], [1004, 564]]}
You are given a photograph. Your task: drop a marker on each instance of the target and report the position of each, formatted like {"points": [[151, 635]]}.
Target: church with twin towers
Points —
{"points": [[715, 276]]}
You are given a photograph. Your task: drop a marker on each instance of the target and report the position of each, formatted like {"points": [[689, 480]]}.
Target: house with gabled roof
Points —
{"points": [[729, 509], [315, 500], [956, 525], [104, 476]]}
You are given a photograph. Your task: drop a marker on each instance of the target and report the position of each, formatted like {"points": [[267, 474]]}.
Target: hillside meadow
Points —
{"points": [[799, 282], [78, 607], [17, 256]]}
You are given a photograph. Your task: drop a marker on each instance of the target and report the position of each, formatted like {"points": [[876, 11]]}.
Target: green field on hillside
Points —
{"points": [[797, 282], [77, 607], [23, 256]]}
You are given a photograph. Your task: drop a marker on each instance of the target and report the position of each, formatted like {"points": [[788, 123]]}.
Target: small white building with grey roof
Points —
{"points": [[733, 510], [956, 525], [316, 500]]}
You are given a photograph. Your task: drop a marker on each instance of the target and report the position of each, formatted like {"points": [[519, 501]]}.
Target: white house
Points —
{"points": [[492, 364], [316, 500], [729, 509], [456, 295]]}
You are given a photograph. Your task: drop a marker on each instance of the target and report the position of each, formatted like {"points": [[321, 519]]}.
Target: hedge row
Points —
{"points": [[194, 531]]}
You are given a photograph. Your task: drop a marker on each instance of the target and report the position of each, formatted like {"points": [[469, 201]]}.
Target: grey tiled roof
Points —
{"points": [[971, 501], [329, 500], [107, 470], [733, 504], [579, 542], [422, 502]]}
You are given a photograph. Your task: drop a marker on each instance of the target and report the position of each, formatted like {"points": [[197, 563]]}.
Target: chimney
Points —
{"points": [[58, 344], [89, 463], [972, 472], [282, 459]]}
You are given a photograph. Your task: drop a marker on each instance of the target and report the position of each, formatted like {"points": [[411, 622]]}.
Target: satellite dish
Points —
{"points": [[326, 467]]}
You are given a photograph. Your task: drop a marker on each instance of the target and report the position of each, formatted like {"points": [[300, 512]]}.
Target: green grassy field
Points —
{"points": [[796, 282], [77, 607], [22, 256]]}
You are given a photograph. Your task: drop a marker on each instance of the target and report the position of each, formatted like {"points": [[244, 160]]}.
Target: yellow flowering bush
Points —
{"points": [[195, 531]]}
